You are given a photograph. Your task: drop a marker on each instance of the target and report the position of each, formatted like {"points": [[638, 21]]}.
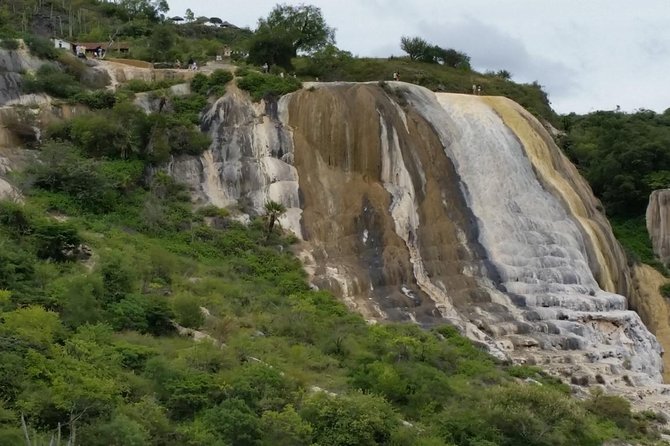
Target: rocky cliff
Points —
{"points": [[431, 207], [12, 64], [658, 223]]}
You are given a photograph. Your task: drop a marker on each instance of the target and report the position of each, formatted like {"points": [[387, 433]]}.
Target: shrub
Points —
{"points": [[261, 85], [665, 290], [96, 100], [9, 44], [54, 240], [41, 47], [348, 420], [220, 77], [188, 108], [65, 170], [200, 84], [610, 407], [14, 216], [140, 85], [51, 80], [188, 311]]}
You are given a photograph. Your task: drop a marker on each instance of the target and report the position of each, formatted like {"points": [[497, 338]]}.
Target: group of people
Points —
{"points": [[476, 89], [396, 76], [80, 51], [192, 64]]}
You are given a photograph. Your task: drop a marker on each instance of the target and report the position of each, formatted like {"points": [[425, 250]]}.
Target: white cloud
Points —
{"points": [[589, 55]]}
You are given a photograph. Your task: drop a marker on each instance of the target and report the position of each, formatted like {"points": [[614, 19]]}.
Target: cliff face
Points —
{"points": [[658, 223], [431, 207], [12, 64]]}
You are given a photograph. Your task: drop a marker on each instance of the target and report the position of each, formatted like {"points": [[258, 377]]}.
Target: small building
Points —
{"points": [[62, 44], [90, 48]]}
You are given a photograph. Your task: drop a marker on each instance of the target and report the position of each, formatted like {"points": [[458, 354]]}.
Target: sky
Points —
{"points": [[588, 54]]}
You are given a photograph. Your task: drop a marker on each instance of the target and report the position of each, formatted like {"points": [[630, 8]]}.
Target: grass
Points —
{"points": [[437, 78], [260, 85], [633, 236]]}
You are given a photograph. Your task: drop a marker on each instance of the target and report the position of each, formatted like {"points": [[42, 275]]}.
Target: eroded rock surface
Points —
{"points": [[658, 223]]}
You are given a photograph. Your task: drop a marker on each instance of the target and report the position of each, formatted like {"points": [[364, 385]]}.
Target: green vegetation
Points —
{"points": [[9, 44], [41, 47], [104, 357], [624, 157], [140, 85], [51, 80], [633, 236], [105, 264], [420, 50], [107, 269], [261, 85], [341, 66], [215, 84], [286, 31]]}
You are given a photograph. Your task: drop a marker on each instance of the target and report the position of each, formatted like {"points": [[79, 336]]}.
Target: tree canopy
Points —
{"points": [[420, 50], [303, 26]]}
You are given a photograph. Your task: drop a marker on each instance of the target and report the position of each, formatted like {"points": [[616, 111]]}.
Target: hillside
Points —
{"points": [[234, 257]]}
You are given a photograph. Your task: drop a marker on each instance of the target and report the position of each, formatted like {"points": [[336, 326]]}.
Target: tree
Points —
{"points": [[327, 63], [189, 15], [504, 74], [145, 8], [272, 211], [302, 25], [285, 428], [456, 59], [415, 47], [349, 419], [268, 49], [162, 41]]}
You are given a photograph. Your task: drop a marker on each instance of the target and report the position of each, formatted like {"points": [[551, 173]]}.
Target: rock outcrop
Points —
{"points": [[658, 223], [12, 64]]}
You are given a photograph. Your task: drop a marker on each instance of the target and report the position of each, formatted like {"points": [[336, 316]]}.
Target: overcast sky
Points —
{"points": [[588, 54]]}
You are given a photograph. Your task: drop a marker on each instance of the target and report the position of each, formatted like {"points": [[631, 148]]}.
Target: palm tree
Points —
{"points": [[273, 210]]}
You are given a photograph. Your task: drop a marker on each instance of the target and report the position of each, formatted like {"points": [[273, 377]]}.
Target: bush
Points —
{"points": [[215, 84], [200, 84], [96, 100], [51, 80], [347, 420], [140, 85], [9, 44], [262, 86], [54, 240], [188, 108], [220, 77], [41, 47], [188, 311]]}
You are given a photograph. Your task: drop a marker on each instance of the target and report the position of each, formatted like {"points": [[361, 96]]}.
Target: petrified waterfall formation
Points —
{"points": [[431, 207]]}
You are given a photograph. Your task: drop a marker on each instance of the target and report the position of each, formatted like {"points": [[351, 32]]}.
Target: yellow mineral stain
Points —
{"points": [[653, 308], [557, 172]]}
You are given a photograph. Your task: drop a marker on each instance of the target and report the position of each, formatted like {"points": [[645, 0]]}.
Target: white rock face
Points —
{"points": [[249, 162], [535, 246]]}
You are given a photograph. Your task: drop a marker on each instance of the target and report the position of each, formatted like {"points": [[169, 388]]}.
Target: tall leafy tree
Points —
{"points": [[303, 26], [415, 47]]}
